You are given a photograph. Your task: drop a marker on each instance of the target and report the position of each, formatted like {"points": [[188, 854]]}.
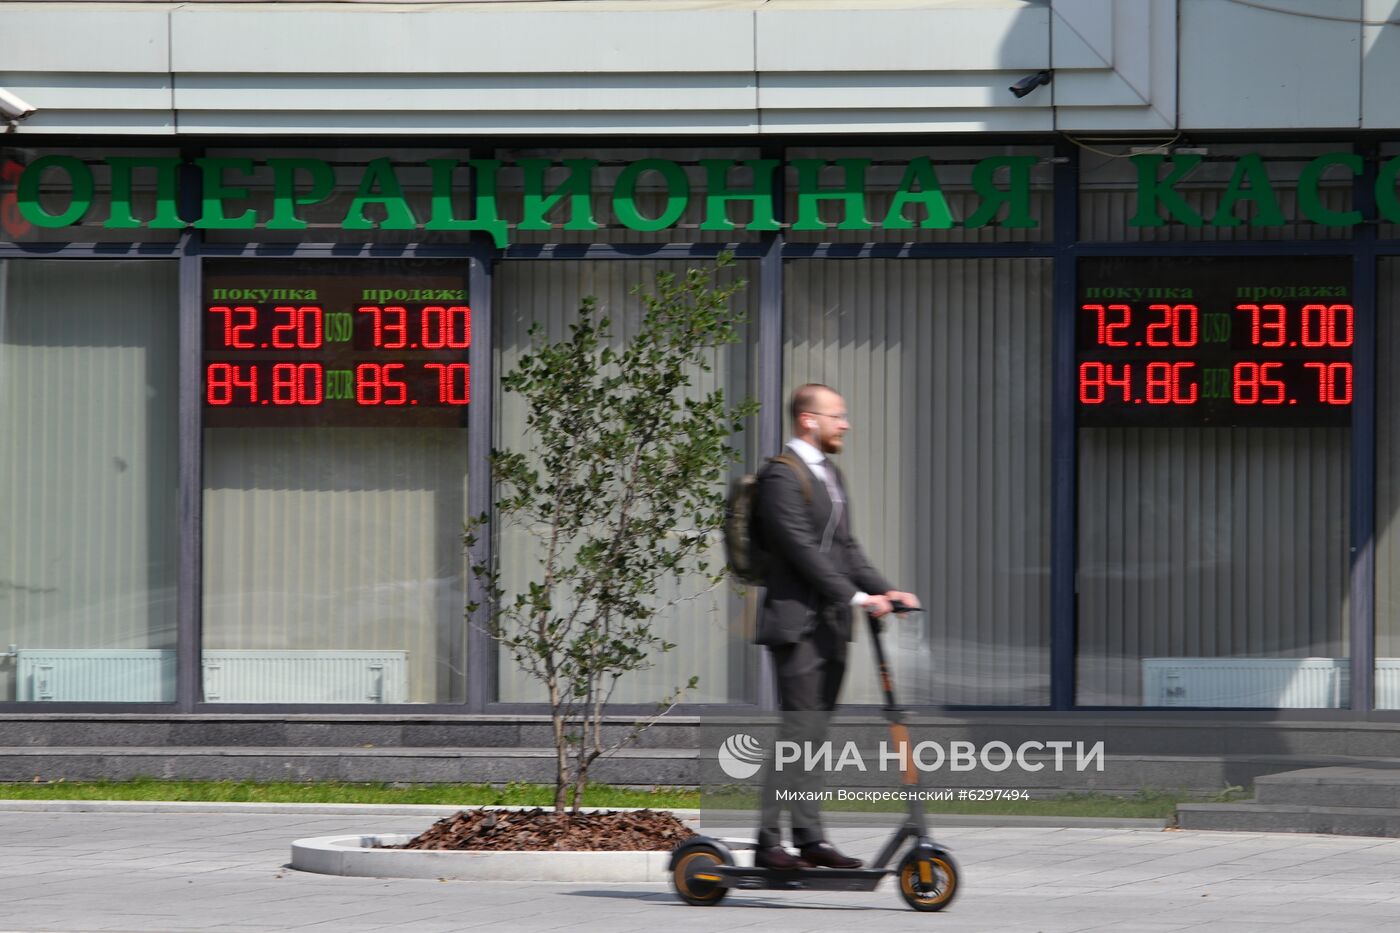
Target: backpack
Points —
{"points": [[746, 557]]}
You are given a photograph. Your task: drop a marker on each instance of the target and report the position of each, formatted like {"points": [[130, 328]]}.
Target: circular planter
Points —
{"points": [[363, 856]]}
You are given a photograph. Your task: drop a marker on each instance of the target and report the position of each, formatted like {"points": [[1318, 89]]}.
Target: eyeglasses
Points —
{"points": [[843, 416]]}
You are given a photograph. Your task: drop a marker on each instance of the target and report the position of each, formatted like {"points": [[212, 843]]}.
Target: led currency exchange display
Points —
{"points": [[336, 343], [1215, 341]]}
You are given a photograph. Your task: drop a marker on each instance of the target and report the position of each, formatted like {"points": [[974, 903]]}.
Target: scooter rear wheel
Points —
{"points": [[687, 877], [931, 886]]}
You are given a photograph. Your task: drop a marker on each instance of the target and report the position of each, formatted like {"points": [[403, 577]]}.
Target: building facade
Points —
{"points": [[1109, 288]]}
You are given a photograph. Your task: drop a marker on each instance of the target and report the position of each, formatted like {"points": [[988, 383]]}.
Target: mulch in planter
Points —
{"points": [[544, 830]]}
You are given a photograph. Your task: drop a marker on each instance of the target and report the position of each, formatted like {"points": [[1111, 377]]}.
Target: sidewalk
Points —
{"points": [[222, 870]]}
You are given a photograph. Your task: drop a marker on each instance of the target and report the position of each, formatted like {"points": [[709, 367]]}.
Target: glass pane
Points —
{"points": [[1388, 487], [1108, 193], [136, 173], [1214, 481], [706, 626], [650, 195], [325, 217], [944, 366], [87, 480], [951, 173], [1213, 567], [335, 472], [412, 172]]}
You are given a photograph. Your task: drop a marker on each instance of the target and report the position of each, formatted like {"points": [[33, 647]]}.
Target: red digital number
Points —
{"points": [[303, 329], [1328, 326], [1180, 326], [298, 384], [447, 327], [454, 382], [1315, 326], [1095, 379], [373, 385], [222, 380], [1346, 315], [1333, 382], [233, 330], [1108, 329], [1252, 379], [1266, 324], [1169, 384], [390, 326]]}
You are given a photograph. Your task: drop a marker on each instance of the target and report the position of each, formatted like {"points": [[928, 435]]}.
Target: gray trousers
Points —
{"points": [[809, 677]]}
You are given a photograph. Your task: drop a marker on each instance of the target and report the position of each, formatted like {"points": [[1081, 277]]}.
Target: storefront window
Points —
{"points": [[706, 625], [335, 470], [87, 480], [1387, 684], [1214, 410], [945, 368]]}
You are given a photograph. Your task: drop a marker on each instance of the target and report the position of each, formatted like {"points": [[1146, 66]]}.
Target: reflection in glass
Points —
{"points": [[87, 480], [1213, 566], [945, 369], [703, 623]]}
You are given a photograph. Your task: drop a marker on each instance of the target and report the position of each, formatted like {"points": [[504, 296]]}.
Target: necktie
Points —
{"points": [[833, 485], [838, 501]]}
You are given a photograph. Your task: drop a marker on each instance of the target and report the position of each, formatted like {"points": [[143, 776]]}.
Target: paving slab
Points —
{"points": [[224, 871]]}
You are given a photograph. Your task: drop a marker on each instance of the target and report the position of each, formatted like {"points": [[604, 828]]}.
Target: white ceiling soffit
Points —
{"points": [[1115, 64]]}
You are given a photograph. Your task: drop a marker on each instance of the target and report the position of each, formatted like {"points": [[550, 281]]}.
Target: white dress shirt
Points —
{"points": [[816, 462]]}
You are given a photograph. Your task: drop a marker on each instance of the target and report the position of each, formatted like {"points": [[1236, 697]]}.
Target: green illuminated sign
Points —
{"points": [[375, 198]]}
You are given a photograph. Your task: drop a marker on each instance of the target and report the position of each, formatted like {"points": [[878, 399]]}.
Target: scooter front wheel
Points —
{"points": [[693, 875], [928, 881]]}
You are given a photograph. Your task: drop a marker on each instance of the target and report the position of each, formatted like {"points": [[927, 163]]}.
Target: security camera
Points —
{"points": [[14, 108], [1029, 83]]}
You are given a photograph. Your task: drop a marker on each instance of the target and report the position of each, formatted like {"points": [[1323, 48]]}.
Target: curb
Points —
{"points": [[276, 809], [358, 857], [437, 811]]}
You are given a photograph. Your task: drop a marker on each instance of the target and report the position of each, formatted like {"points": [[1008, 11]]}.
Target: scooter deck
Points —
{"points": [[799, 879]]}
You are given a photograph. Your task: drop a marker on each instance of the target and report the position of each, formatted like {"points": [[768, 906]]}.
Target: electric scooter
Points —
{"points": [[703, 869]]}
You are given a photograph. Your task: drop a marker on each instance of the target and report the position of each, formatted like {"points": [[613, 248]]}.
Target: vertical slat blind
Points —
{"points": [[1388, 475], [337, 539], [88, 460], [962, 204], [699, 623], [945, 368], [1208, 542], [1104, 213]]}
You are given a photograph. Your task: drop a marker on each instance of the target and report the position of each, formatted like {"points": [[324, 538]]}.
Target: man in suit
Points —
{"points": [[817, 575]]}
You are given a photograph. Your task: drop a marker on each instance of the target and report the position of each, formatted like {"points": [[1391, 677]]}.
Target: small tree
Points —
{"points": [[623, 488]]}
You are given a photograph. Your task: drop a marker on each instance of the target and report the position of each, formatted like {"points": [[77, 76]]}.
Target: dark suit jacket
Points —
{"points": [[808, 585]]}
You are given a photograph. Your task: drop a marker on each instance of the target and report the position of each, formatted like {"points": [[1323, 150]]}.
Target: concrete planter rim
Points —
{"points": [[363, 855]]}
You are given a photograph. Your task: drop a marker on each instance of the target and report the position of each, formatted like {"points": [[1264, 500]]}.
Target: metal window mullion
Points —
{"points": [[479, 647], [770, 397], [1063, 436], [189, 584], [770, 377], [1362, 615]]}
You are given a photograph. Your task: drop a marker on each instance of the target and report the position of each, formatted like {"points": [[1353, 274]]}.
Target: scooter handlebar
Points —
{"points": [[899, 608]]}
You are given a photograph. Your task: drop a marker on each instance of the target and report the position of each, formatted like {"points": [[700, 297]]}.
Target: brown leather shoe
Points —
{"points": [[825, 855], [778, 858]]}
